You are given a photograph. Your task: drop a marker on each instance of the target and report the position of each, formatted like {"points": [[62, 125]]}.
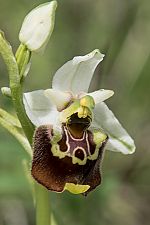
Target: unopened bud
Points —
{"points": [[38, 26]]}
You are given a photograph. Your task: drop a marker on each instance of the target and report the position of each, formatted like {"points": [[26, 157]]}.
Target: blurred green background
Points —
{"points": [[121, 30]]}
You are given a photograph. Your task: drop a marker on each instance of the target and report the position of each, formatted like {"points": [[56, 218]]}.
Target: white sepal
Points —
{"points": [[76, 74], [39, 108], [119, 140], [59, 98], [38, 26], [101, 95]]}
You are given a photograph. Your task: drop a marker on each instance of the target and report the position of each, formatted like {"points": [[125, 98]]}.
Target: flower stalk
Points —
{"points": [[42, 205]]}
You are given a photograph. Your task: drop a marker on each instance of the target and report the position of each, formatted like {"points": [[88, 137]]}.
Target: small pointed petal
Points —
{"points": [[76, 75], [59, 98], [101, 95], [39, 108], [119, 140]]}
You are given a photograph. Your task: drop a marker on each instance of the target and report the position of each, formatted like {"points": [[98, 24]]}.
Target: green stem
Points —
{"points": [[42, 205], [53, 221]]}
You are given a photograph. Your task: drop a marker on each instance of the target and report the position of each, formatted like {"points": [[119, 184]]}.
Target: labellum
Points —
{"points": [[70, 159]]}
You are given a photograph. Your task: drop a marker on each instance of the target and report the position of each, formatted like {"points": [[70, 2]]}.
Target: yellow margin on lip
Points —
{"points": [[76, 188]]}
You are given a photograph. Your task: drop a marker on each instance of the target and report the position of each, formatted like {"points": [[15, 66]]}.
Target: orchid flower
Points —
{"points": [[73, 127]]}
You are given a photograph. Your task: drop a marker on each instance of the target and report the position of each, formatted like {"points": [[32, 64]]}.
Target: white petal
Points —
{"points": [[58, 98], [38, 26], [101, 95], [119, 139], [39, 108], [76, 75]]}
